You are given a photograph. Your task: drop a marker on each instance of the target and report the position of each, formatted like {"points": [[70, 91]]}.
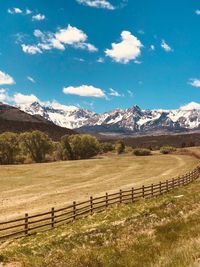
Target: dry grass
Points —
{"points": [[162, 232], [38, 187]]}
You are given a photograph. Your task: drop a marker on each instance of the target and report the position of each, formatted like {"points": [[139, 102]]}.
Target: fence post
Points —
{"points": [[173, 183], [167, 186], [52, 217], [152, 190], [120, 195], [143, 191], [106, 199], [91, 205], [26, 224], [160, 188], [74, 210], [132, 194]]}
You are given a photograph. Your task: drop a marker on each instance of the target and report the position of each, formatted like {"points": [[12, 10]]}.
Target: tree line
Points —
{"points": [[37, 147]]}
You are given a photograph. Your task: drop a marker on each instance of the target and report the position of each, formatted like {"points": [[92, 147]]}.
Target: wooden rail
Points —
{"points": [[31, 224]]}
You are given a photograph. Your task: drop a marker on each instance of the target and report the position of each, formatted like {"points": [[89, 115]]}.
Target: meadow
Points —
{"points": [[38, 187], [161, 232]]}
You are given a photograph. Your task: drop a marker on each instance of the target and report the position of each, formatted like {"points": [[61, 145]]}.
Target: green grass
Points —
{"points": [[161, 232], [38, 187]]}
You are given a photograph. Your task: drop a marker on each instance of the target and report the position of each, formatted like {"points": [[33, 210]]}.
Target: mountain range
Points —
{"points": [[131, 121]]}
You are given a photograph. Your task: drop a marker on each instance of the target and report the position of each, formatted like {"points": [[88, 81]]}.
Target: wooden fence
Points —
{"points": [[31, 224]]}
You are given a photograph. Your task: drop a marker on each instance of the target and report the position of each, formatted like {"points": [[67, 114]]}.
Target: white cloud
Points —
{"points": [[197, 11], [70, 36], [38, 17], [21, 99], [191, 106], [128, 49], [114, 92], [86, 46], [130, 93], [84, 90], [152, 47], [28, 11], [100, 60], [31, 49], [31, 79], [97, 4], [6, 79], [15, 10], [166, 46], [3, 95], [195, 82], [38, 34]]}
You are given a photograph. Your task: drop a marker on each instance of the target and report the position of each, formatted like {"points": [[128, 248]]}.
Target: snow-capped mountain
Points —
{"points": [[65, 116], [127, 121]]}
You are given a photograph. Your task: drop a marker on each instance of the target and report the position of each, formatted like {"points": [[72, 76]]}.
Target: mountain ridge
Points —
{"points": [[133, 120]]}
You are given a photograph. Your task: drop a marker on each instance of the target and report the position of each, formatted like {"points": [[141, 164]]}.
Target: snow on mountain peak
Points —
{"points": [[134, 119], [191, 106]]}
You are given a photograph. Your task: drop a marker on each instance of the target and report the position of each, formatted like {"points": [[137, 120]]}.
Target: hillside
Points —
{"points": [[164, 231], [14, 120]]}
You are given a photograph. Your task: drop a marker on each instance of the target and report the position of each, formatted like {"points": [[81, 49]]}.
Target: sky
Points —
{"points": [[100, 54]]}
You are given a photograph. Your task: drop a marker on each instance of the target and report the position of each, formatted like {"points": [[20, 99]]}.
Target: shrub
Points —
{"points": [[36, 144], [142, 152], [106, 147], [120, 147], [77, 146], [9, 148], [167, 149]]}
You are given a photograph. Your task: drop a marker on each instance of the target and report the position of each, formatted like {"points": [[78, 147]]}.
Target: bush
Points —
{"points": [[120, 147], [167, 149], [9, 148], [36, 144], [142, 152], [106, 147], [77, 146]]}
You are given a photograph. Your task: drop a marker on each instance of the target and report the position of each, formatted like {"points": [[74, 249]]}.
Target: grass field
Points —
{"points": [[161, 232], [38, 187]]}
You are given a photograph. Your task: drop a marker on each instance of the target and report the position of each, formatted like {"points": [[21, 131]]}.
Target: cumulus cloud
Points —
{"points": [[84, 90], [195, 82], [100, 60], [166, 46], [21, 99], [31, 79], [197, 12], [114, 92], [31, 49], [38, 17], [15, 10], [191, 106], [128, 49], [6, 79], [97, 4], [70, 36]]}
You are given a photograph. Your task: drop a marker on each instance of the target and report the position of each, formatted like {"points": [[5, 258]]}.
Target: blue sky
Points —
{"points": [[100, 54]]}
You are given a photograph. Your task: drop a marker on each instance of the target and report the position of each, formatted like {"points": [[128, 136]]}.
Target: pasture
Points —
{"points": [[38, 187]]}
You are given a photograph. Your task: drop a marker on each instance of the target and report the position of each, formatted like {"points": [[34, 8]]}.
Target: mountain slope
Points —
{"points": [[14, 120], [122, 121]]}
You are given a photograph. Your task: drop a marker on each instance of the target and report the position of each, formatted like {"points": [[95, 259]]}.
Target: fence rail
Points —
{"points": [[31, 224]]}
